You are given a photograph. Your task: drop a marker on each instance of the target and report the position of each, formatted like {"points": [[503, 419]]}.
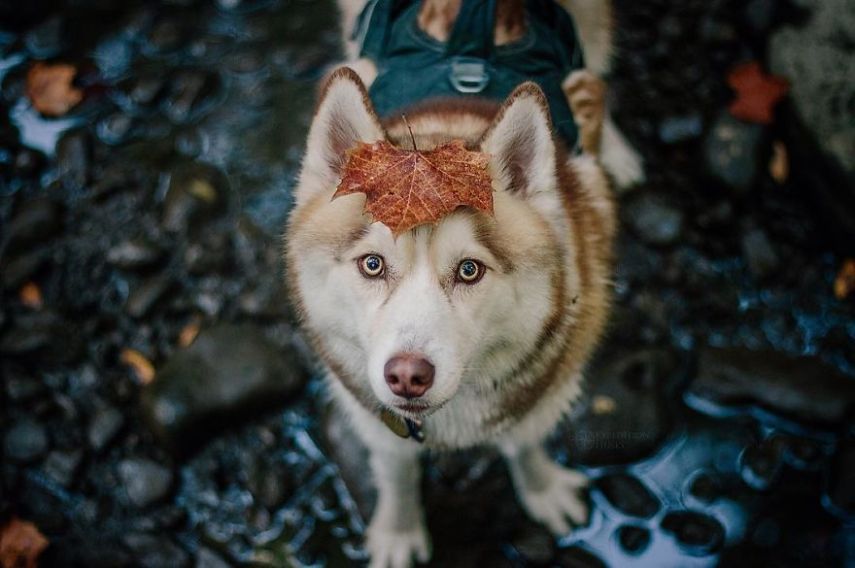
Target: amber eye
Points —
{"points": [[470, 271], [372, 265]]}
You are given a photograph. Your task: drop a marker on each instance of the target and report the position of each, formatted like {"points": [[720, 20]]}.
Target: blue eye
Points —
{"points": [[372, 265], [470, 271]]}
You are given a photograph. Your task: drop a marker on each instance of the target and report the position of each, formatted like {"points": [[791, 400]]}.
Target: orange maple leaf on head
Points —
{"points": [[407, 188]]}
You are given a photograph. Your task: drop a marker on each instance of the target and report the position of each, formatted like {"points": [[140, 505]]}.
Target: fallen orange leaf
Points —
{"points": [[757, 93], [50, 89], [21, 544], [779, 165], [844, 284], [31, 296], [406, 188], [141, 366], [189, 332]]}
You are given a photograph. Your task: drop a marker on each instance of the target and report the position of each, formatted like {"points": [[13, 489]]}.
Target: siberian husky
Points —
{"points": [[472, 331]]}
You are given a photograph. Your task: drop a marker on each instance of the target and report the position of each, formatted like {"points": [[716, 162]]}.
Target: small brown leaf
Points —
{"points": [[142, 367], [21, 544], [31, 296], [407, 188], [779, 165], [189, 332], [50, 89], [844, 284]]}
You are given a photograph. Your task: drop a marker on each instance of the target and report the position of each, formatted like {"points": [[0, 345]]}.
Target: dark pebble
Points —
{"points": [[137, 254], [146, 482], [189, 94], [18, 271], [28, 163], [761, 464], [114, 129], [47, 39], [62, 466], [144, 90], [680, 128], [104, 427], [151, 551], [655, 220], [147, 293], [228, 374], [628, 495], [705, 488], [535, 544], [22, 387], [166, 35], [805, 389], [196, 193], [73, 156], [633, 539], [578, 557], [733, 151], [207, 558], [36, 221], [697, 534], [759, 254], [841, 483], [25, 441]]}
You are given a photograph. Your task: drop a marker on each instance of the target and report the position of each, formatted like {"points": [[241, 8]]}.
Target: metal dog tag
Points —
{"points": [[403, 427]]}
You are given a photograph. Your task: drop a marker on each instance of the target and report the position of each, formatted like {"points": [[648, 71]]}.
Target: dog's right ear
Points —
{"points": [[344, 117]]}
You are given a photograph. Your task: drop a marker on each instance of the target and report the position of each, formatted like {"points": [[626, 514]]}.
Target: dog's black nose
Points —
{"points": [[409, 375]]}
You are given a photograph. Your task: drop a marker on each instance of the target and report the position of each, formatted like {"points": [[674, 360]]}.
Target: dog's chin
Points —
{"points": [[414, 410]]}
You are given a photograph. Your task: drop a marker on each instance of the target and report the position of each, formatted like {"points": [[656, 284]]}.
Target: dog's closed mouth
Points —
{"points": [[416, 408]]}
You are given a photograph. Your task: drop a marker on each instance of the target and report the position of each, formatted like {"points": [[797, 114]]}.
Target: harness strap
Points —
{"points": [[472, 35]]}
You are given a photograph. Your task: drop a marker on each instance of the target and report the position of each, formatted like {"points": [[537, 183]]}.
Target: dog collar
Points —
{"points": [[403, 427]]}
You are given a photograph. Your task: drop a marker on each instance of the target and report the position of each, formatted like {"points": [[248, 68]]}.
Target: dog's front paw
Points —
{"points": [[396, 549], [558, 500]]}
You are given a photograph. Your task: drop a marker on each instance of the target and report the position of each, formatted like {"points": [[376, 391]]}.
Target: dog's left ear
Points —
{"points": [[521, 146], [344, 117]]}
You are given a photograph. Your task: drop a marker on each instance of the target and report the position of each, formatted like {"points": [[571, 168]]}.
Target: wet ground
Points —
{"points": [[718, 422]]}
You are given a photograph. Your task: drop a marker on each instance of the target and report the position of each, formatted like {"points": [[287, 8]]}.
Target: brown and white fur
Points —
{"points": [[595, 24], [509, 351]]}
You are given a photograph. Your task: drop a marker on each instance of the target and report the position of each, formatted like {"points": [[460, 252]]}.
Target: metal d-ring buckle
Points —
{"points": [[468, 75]]}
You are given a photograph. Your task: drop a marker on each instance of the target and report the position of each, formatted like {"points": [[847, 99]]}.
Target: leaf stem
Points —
{"points": [[412, 136]]}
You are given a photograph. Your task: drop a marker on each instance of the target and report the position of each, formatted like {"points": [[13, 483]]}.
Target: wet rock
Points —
{"points": [[104, 427], [761, 464], [803, 453], [190, 94], [196, 192], [36, 221], [350, 455], [143, 297], [634, 540], [628, 495], [697, 534], [62, 466], [144, 89], [705, 488], [136, 254], [114, 129], [166, 35], [47, 39], [841, 483], [680, 128], [155, 551], [535, 544], [207, 558], [204, 259], [578, 557], [800, 388], [16, 272], [655, 220], [824, 68], [28, 163], [145, 482], [22, 387], [73, 157], [229, 373], [25, 441], [638, 417], [759, 253], [734, 150]]}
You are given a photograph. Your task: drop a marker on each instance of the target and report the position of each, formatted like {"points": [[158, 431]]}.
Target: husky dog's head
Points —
{"points": [[407, 322]]}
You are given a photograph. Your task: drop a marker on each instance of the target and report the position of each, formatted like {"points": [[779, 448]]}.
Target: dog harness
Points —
{"points": [[413, 67]]}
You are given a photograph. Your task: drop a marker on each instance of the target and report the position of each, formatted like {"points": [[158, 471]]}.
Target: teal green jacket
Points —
{"points": [[413, 67]]}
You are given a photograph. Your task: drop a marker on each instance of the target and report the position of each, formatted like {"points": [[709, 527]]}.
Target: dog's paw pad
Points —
{"points": [[397, 549], [560, 501]]}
